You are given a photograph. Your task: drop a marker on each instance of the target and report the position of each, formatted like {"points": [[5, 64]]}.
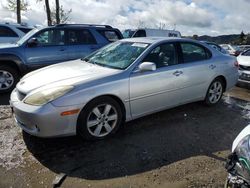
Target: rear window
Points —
{"points": [[25, 30], [110, 35], [7, 32]]}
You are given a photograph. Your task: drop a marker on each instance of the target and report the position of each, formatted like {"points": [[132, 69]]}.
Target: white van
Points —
{"points": [[129, 33]]}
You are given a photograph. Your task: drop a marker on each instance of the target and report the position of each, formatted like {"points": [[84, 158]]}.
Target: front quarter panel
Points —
{"points": [[116, 85]]}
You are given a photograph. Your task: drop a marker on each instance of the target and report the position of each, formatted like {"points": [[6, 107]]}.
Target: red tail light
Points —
{"points": [[236, 64]]}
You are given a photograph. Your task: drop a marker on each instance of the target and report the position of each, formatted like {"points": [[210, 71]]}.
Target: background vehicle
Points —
{"points": [[150, 33], [120, 82], [47, 46], [232, 49], [216, 46], [244, 67], [10, 33], [238, 163]]}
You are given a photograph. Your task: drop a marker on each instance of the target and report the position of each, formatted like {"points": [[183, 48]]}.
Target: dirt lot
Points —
{"points": [[181, 147]]}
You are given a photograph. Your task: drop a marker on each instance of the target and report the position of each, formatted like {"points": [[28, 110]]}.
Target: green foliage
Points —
{"points": [[12, 5], [64, 15]]}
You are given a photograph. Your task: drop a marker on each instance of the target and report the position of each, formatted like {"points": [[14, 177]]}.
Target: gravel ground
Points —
{"points": [[181, 147]]}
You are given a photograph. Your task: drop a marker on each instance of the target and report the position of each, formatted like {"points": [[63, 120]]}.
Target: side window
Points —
{"points": [[7, 32], [85, 37], [73, 37], [140, 33], [51, 37], [163, 55], [193, 52], [110, 35]]}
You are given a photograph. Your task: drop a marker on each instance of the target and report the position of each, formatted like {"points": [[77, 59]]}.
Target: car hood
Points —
{"points": [[69, 73], [244, 60], [8, 45]]}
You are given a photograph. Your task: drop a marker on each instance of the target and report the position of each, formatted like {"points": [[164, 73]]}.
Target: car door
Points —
{"points": [[80, 43], [197, 69], [154, 90], [50, 48]]}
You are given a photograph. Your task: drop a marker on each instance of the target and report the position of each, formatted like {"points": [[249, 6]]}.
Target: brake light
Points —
{"points": [[236, 64]]}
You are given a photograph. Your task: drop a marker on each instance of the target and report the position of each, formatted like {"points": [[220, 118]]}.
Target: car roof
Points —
{"points": [[152, 40], [16, 25]]}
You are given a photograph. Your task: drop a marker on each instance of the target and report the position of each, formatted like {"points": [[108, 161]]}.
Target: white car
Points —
{"points": [[232, 49], [129, 33], [244, 67], [10, 33]]}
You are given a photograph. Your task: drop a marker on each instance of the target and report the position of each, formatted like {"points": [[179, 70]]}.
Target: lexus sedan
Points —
{"points": [[123, 81]]}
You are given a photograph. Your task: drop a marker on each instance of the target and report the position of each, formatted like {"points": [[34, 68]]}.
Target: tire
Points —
{"points": [[101, 118], [214, 92], [9, 77]]}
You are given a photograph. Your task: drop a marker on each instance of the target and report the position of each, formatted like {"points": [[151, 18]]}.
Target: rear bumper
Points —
{"points": [[44, 121]]}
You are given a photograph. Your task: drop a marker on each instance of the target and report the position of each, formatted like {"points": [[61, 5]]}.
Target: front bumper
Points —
{"points": [[44, 121], [244, 76]]}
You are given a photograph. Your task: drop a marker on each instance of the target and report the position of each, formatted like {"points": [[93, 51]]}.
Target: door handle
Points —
{"points": [[177, 73], [62, 49], [212, 66]]}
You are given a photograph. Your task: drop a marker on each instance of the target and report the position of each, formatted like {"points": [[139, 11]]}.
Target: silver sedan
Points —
{"points": [[123, 81]]}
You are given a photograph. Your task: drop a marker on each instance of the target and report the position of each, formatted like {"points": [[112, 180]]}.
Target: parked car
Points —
{"points": [[10, 33], [244, 67], [238, 161], [47, 46], [130, 33], [232, 49], [216, 46], [123, 81]]}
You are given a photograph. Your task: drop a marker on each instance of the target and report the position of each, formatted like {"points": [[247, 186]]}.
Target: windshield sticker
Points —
{"points": [[140, 45]]}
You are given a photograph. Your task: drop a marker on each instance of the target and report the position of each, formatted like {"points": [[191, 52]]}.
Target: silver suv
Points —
{"points": [[10, 33]]}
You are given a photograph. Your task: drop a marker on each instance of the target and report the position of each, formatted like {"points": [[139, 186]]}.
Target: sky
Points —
{"points": [[201, 17]]}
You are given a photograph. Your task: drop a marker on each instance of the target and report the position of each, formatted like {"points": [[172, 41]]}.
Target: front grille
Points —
{"points": [[242, 67], [20, 95]]}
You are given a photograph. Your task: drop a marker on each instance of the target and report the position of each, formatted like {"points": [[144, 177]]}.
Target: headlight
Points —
{"points": [[243, 151], [42, 97]]}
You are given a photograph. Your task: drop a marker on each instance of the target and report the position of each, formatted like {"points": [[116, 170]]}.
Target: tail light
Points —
{"points": [[236, 64]]}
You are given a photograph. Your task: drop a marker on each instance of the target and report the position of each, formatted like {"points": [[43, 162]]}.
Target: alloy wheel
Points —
{"points": [[215, 92], [102, 120], [6, 80]]}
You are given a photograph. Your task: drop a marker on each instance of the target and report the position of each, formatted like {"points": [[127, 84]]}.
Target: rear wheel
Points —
{"points": [[215, 92], [101, 118], [8, 78]]}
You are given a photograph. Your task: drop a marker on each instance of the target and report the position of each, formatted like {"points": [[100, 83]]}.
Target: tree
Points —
{"points": [[242, 36], [57, 12], [195, 37], [60, 16], [48, 12], [17, 6]]}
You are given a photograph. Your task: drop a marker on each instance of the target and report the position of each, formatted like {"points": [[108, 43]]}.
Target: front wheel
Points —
{"points": [[101, 118], [215, 92]]}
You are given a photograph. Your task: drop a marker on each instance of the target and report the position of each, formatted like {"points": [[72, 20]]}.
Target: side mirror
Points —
{"points": [[32, 42], [147, 66]]}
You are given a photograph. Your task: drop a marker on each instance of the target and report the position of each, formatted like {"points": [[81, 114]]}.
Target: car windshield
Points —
{"points": [[246, 53], [27, 36], [118, 55]]}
